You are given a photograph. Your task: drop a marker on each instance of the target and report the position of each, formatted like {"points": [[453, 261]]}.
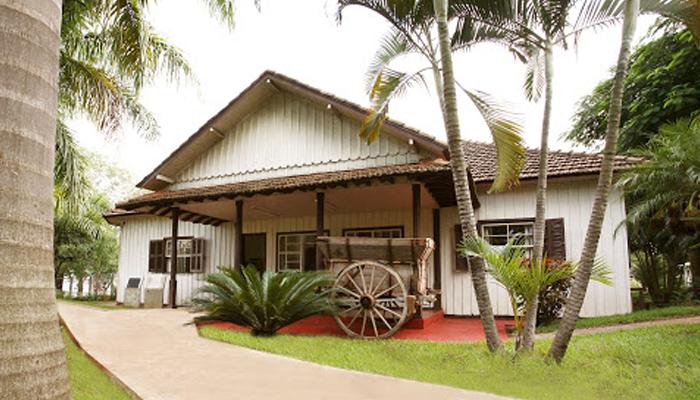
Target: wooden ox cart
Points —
{"points": [[381, 282]]}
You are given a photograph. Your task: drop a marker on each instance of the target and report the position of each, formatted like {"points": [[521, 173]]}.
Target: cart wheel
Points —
{"points": [[372, 300]]}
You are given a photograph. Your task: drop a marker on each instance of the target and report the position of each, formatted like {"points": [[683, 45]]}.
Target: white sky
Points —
{"points": [[302, 40]]}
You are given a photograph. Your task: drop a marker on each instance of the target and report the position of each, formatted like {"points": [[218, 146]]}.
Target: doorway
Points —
{"points": [[255, 250]]}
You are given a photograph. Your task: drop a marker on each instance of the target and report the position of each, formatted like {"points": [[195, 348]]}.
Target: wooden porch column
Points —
{"points": [[416, 209], [437, 271], [172, 292], [320, 208], [238, 236]]}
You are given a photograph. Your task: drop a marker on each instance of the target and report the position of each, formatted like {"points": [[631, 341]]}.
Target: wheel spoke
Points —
{"points": [[371, 280], [364, 322], [388, 310], [380, 283], [374, 323], [348, 291], [354, 283], [354, 318], [356, 306], [383, 320], [387, 290], [361, 268]]}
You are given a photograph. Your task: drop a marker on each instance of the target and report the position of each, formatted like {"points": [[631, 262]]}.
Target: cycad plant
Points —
{"points": [[264, 303], [524, 277]]}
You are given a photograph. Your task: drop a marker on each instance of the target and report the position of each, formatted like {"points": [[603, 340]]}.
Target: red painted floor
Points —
{"points": [[437, 328]]}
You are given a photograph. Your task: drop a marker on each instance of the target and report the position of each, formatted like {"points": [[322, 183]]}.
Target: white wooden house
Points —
{"points": [[282, 163]]}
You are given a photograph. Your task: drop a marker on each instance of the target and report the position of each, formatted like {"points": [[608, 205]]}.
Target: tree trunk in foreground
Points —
{"points": [[528, 339], [694, 259], [459, 173], [590, 245], [32, 361]]}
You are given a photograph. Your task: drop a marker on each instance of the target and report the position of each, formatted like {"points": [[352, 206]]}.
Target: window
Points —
{"points": [[379, 232], [499, 233], [184, 254], [296, 251]]}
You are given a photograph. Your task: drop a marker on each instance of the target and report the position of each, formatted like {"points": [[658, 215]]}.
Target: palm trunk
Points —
{"points": [[694, 259], [32, 361], [590, 245], [538, 234], [528, 339], [459, 173]]}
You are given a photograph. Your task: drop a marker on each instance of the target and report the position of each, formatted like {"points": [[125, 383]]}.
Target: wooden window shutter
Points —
{"points": [[554, 238], [197, 259], [156, 256], [461, 263]]}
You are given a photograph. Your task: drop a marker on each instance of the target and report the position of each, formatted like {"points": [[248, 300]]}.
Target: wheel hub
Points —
{"points": [[366, 302]]}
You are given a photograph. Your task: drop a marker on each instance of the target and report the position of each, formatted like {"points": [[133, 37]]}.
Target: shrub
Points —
{"points": [[553, 297], [264, 303]]}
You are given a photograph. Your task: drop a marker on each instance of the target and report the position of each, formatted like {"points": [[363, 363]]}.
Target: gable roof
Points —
{"points": [[481, 158], [266, 85]]}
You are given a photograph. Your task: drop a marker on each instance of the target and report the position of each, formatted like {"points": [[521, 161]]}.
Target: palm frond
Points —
{"points": [[266, 302], [388, 85], [506, 132], [392, 46], [224, 11], [99, 95], [71, 184], [534, 77]]}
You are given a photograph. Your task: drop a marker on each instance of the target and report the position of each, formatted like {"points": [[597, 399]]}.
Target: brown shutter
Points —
{"points": [[198, 253], [554, 239], [156, 256], [461, 263]]}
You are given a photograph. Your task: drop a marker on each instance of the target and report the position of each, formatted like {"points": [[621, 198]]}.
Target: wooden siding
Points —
{"points": [[290, 136], [571, 201], [138, 231]]}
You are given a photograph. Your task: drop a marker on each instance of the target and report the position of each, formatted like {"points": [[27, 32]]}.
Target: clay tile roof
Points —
{"points": [[285, 183], [482, 160]]}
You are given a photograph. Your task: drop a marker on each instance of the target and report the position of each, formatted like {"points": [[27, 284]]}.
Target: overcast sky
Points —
{"points": [[302, 40]]}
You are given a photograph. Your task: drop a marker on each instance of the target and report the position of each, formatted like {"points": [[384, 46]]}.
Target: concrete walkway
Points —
{"points": [[631, 325], [158, 357]]}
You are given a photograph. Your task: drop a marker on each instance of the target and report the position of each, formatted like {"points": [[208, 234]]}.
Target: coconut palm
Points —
{"points": [[413, 32], [264, 303], [524, 277], [590, 245], [32, 358], [531, 29], [109, 53]]}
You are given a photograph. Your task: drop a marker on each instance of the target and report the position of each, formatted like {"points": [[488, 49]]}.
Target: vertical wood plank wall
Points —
{"points": [[291, 136], [573, 202], [137, 231]]}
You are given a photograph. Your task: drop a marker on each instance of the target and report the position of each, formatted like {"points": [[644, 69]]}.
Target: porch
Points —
{"points": [[273, 223]]}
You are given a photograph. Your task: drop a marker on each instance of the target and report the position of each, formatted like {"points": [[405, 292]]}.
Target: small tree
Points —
{"points": [[523, 277], [264, 303]]}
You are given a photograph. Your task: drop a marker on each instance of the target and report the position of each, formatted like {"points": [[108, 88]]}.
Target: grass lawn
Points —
{"points": [[637, 316], [105, 305], [650, 363], [87, 380]]}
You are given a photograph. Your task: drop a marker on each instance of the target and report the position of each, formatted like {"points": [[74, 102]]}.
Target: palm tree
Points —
{"points": [[412, 31], [32, 358], [109, 52], [524, 278], [590, 245], [531, 29]]}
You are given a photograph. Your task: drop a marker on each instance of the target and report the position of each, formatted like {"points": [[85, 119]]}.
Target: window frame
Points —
{"points": [[507, 222], [374, 229], [167, 253], [301, 249]]}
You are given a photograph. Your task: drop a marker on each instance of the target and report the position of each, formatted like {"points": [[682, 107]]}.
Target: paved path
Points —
{"points": [[158, 357], [622, 327]]}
